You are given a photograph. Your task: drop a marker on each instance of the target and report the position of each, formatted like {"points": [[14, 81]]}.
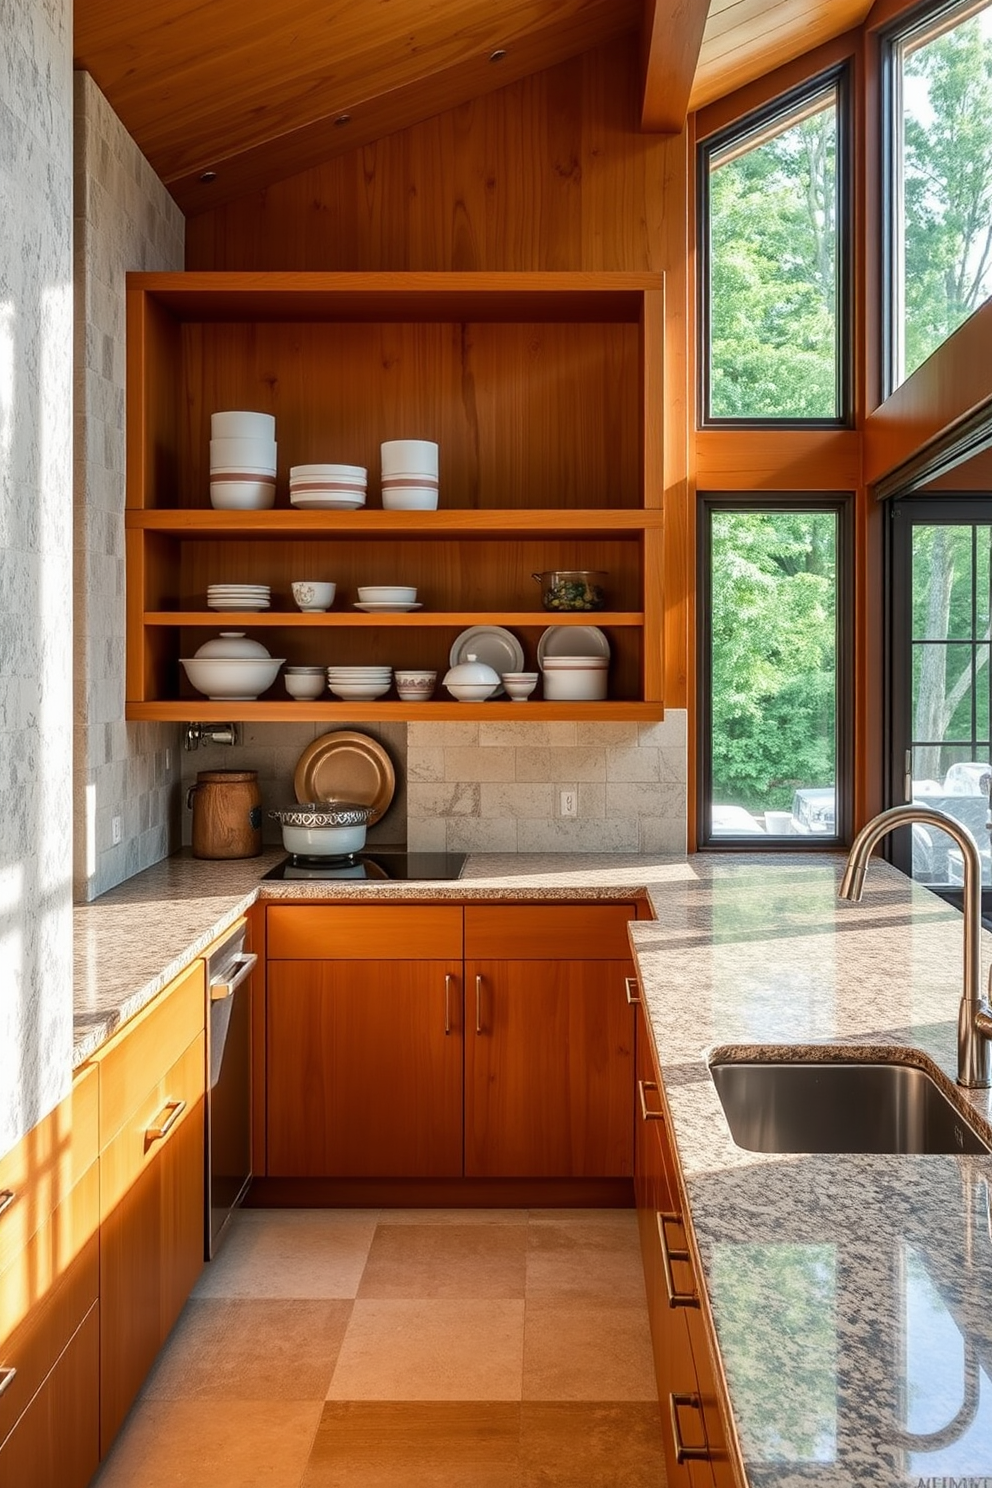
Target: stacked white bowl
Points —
{"points": [[409, 475], [575, 678], [238, 596], [327, 486], [305, 682], [358, 683], [232, 667], [242, 460]]}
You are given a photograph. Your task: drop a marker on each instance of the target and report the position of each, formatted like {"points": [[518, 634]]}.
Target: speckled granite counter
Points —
{"points": [[850, 1294]]}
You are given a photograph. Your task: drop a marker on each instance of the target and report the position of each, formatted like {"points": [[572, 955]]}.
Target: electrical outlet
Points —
{"points": [[116, 830], [568, 803]]}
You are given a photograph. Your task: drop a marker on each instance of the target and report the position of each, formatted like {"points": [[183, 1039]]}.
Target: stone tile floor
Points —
{"points": [[405, 1349]]}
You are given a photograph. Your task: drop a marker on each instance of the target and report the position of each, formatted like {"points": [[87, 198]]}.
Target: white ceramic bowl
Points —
{"points": [[518, 689], [575, 663], [231, 644], [237, 679], [257, 454], [386, 594], [313, 596], [409, 498], [305, 684], [242, 495], [408, 457], [572, 684], [471, 692], [351, 475], [314, 671], [359, 692], [239, 423]]}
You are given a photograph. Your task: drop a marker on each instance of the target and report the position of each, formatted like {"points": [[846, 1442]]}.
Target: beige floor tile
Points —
{"points": [[452, 1216], [316, 1253], [446, 1261], [585, 1260], [621, 1219], [595, 1445], [236, 1348], [193, 1444], [431, 1350], [587, 1351], [432, 1444]]}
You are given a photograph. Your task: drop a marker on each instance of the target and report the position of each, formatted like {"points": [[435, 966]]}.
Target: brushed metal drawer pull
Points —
{"points": [[168, 1116], [7, 1377], [241, 966], [646, 1113], [7, 1197], [675, 1297], [682, 1452], [630, 983], [447, 1002], [478, 1004]]}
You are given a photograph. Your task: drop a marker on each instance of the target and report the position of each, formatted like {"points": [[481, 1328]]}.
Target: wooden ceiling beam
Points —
{"points": [[672, 38]]}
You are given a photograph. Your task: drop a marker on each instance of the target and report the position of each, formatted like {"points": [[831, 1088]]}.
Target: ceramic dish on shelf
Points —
{"points": [[346, 766], [491, 644], [387, 593], [571, 640], [326, 503], [385, 607]]}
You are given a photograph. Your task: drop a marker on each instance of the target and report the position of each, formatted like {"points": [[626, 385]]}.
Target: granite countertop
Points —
{"points": [[849, 1293]]}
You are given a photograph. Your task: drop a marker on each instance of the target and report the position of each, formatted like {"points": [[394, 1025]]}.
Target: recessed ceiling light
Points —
{"points": [[208, 176], [498, 54]]}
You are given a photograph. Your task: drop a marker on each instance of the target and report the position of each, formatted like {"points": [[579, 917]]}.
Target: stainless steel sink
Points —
{"points": [[840, 1107]]}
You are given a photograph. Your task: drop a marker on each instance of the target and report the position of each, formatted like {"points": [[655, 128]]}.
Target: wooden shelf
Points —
{"points": [[193, 522], [341, 619], [287, 710]]}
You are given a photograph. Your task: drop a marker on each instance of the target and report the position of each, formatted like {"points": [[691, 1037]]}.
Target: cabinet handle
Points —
{"points": [[675, 1298], [630, 983], [478, 1004], [7, 1197], [7, 1377], [165, 1122], [682, 1452], [241, 966], [447, 1002], [646, 1113]]}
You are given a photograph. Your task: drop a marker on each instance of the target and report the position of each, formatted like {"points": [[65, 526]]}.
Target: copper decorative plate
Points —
{"points": [[346, 766]]}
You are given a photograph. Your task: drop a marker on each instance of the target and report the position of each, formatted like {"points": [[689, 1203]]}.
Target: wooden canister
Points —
{"points": [[227, 814]]}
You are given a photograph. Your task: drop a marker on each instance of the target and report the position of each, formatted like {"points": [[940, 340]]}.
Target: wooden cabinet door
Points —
{"points": [[364, 1069], [549, 1072], [55, 1444]]}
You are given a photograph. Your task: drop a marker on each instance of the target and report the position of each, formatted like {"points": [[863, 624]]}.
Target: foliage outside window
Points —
{"points": [[772, 312], [772, 668], [940, 77]]}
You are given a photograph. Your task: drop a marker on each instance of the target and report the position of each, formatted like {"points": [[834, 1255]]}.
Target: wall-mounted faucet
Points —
{"points": [[974, 1015]]}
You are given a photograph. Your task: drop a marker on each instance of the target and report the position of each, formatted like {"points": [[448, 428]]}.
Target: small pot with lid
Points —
{"points": [[317, 829], [227, 814]]}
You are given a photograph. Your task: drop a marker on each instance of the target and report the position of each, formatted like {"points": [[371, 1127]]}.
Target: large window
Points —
{"points": [[939, 75], [773, 230], [774, 667]]}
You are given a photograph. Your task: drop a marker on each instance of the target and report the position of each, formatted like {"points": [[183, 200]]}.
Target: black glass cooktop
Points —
{"points": [[396, 864]]}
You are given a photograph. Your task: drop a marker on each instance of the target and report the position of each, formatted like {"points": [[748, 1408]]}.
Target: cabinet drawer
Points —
{"points": [[56, 1442], [548, 932], [46, 1293], [137, 1145], [47, 1164], [375, 932], [131, 1064]]}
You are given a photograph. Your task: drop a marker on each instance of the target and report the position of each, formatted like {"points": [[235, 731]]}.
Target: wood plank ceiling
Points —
{"points": [[247, 92]]}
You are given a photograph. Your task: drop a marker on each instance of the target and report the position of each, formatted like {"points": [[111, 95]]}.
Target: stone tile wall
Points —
{"points": [[124, 219], [35, 563], [496, 787]]}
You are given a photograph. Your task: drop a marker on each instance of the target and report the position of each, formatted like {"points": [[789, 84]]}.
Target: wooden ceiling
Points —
{"points": [[248, 92]]}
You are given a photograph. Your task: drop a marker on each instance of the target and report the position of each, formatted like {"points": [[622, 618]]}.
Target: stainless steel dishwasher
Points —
{"points": [[228, 1115]]}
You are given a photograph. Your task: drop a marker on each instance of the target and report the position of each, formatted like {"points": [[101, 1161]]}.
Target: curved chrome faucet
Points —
{"points": [[974, 1015]]}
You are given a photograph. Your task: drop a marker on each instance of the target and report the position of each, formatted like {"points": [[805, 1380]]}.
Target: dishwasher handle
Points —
{"points": [[232, 976]]}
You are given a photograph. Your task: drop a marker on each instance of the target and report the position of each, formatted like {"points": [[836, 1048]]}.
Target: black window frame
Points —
{"points": [[754, 124], [843, 504], [921, 18]]}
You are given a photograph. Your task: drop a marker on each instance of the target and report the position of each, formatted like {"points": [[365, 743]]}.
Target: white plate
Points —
{"points": [[325, 503], [497, 647], [571, 640], [385, 607], [232, 606]]}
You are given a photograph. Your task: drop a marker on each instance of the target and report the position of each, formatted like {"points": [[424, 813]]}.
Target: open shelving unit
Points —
{"points": [[543, 392]]}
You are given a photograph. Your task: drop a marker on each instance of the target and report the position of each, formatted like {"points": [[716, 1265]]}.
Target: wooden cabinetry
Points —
{"points": [[543, 392], [549, 1042], [696, 1454], [372, 1017], [49, 1313], [151, 1185]]}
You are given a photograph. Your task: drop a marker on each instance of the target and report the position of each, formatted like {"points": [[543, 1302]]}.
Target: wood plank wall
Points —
{"points": [[548, 173]]}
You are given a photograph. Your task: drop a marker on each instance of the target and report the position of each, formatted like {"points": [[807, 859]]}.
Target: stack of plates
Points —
{"points": [[312, 487], [359, 684], [238, 597]]}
